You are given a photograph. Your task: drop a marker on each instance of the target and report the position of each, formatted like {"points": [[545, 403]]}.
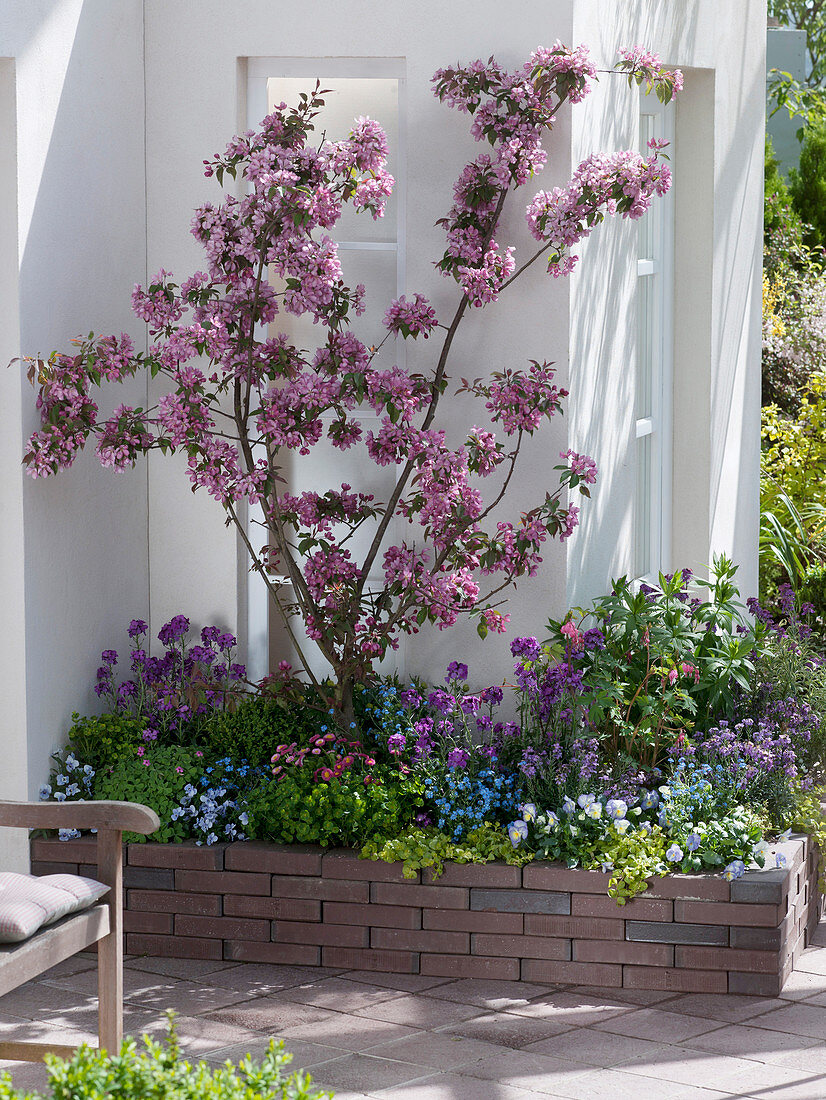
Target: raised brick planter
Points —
{"points": [[303, 905]]}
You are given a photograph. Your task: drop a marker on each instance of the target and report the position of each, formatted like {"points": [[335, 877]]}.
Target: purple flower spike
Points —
{"points": [[137, 627]]}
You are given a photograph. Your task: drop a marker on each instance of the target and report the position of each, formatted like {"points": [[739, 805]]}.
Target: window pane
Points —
{"points": [[642, 508], [348, 99], [645, 345]]}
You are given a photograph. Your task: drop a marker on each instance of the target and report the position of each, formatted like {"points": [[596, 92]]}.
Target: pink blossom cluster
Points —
{"points": [[410, 318], [617, 183], [645, 67], [241, 398]]}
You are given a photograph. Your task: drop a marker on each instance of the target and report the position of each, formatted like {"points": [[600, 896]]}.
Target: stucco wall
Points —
{"points": [[80, 246]]}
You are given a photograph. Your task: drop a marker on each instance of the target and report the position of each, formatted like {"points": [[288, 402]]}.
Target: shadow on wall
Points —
{"points": [[84, 248]]}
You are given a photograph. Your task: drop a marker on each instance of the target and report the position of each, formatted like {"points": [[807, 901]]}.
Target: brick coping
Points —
{"points": [[304, 905]]}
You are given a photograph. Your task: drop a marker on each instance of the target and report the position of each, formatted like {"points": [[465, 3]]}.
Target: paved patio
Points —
{"points": [[414, 1038]]}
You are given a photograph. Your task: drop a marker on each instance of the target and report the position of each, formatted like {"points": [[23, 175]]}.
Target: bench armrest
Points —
{"points": [[129, 817]]}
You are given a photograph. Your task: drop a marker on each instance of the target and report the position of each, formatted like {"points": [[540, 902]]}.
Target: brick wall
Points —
{"points": [[303, 905]]}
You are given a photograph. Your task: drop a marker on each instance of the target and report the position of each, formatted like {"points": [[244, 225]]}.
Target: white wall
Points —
{"points": [[81, 234], [718, 251]]}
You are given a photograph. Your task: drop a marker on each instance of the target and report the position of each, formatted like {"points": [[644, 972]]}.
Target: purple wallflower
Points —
{"points": [[136, 627], [110, 656], [396, 742], [202, 654], [470, 704], [410, 698], [492, 696], [527, 648], [456, 671], [173, 630], [458, 758], [442, 701], [226, 641]]}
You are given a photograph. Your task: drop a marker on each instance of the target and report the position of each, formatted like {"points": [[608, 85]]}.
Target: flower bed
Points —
{"points": [[305, 905]]}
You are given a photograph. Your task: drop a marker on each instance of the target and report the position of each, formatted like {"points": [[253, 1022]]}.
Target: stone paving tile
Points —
{"points": [[419, 1011], [598, 1048], [668, 1027], [198, 1035], [574, 1009], [798, 1018], [508, 1030], [616, 1084], [261, 979], [438, 1050], [75, 965], [727, 1007], [272, 1014], [802, 984], [409, 983], [188, 969], [528, 1070], [366, 1072], [728, 1074], [491, 994], [744, 1041], [632, 996], [339, 994], [348, 1032], [305, 1055], [452, 1086], [812, 961]]}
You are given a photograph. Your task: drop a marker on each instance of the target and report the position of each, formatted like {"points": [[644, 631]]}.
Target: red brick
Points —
{"points": [[87, 870], [712, 912], [402, 939], [186, 857], [600, 905], [223, 882], [158, 923], [492, 875], [237, 905], [642, 954], [173, 947], [354, 958], [378, 916], [469, 966], [727, 958], [222, 928], [293, 886], [553, 876], [343, 863], [467, 920], [689, 887], [755, 985], [674, 980], [276, 859], [579, 973], [334, 935], [52, 867], [433, 897], [174, 901], [291, 954], [83, 850], [591, 928], [526, 947]]}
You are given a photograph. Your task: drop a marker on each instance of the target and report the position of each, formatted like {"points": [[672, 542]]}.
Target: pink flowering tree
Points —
{"points": [[241, 395]]}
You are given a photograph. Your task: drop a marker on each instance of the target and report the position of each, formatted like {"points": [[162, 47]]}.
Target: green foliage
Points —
{"points": [[808, 817], [252, 731], [158, 1072], [779, 214], [104, 739], [808, 184], [719, 840], [418, 848], [808, 16], [157, 780], [346, 811], [666, 662], [636, 857]]}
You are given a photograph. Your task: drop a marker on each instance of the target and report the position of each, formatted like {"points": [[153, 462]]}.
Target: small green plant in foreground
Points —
{"points": [[418, 848], [157, 1071]]}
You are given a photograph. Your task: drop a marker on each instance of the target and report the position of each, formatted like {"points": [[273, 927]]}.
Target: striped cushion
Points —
{"points": [[28, 902]]}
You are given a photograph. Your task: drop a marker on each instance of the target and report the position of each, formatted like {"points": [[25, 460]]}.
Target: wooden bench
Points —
{"points": [[101, 924]]}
